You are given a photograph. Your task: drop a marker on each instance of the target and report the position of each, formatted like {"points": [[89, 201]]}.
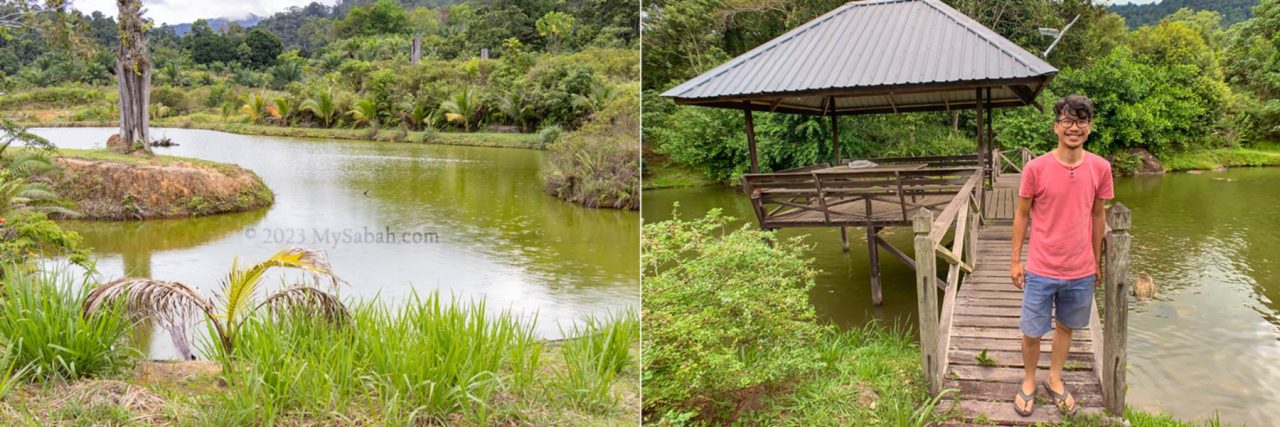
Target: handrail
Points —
{"points": [[935, 330]]}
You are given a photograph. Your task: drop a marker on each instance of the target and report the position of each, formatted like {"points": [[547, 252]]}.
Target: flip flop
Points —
{"points": [[1025, 398], [1060, 399]]}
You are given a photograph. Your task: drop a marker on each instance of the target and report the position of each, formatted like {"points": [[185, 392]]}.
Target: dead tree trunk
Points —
{"points": [[416, 55], [133, 71]]}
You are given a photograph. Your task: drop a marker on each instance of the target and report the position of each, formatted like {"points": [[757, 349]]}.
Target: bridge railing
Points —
{"points": [[961, 218], [1013, 159]]}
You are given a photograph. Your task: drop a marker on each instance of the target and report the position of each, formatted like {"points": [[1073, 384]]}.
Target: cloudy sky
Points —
{"points": [[180, 11]]}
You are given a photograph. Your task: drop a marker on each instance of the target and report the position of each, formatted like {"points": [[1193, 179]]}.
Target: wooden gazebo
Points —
{"points": [[871, 57]]}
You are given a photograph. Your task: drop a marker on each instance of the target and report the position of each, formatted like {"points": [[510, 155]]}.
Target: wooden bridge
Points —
{"points": [[979, 308]]}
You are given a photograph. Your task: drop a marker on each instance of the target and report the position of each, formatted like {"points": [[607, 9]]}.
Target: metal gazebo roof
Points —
{"points": [[875, 56]]}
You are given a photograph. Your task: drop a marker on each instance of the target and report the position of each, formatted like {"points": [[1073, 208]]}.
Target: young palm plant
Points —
{"points": [[281, 111], [364, 111], [463, 106], [255, 106], [172, 304], [322, 106]]}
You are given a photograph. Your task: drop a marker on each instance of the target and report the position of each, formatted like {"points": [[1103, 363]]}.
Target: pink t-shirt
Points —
{"points": [[1061, 214]]}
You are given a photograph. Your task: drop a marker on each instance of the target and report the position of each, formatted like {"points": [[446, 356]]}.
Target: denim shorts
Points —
{"points": [[1073, 299]]}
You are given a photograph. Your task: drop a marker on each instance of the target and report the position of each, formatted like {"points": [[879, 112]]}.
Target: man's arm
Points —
{"points": [[1020, 219], [1099, 228]]}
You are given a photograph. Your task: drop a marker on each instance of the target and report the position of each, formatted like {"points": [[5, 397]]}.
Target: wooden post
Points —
{"points": [[844, 238], [982, 154], [873, 256], [751, 138], [1116, 323], [991, 136], [927, 297], [835, 137]]}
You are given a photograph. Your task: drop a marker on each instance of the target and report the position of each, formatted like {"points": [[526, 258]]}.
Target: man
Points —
{"points": [[1062, 193]]}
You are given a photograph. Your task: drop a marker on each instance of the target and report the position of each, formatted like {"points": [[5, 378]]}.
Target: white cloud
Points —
{"points": [[180, 11]]}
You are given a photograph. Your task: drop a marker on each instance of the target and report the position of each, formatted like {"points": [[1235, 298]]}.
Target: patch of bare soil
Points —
{"points": [[119, 190]]}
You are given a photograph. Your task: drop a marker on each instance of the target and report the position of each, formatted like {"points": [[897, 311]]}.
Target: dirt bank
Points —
{"points": [[117, 187]]}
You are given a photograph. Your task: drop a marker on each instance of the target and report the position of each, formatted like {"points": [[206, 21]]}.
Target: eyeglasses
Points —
{"points": [[1066, 123]]}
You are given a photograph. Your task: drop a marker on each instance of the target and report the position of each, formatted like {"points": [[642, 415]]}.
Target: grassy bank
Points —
{"points": [[1264, 154], [661, 172], [66, 360], [201, 121]]}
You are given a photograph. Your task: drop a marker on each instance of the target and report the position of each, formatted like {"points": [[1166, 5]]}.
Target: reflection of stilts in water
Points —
{"points": [[136, 263]]}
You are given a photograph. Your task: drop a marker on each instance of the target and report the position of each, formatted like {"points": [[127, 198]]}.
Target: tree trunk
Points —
{"points": [[133, 71], [416, 55]]}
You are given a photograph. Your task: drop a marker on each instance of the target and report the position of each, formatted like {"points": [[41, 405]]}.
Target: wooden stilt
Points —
{"points": [[844, 238], [874, 256]]}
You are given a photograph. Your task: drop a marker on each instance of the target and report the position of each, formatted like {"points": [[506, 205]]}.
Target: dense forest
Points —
{"points": [[1137, 15], [1185, 83], [414, 68]]}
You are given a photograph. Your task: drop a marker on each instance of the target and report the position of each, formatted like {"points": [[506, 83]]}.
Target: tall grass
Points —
{"points": [[429, 360], [599, 350], [44, 330]]}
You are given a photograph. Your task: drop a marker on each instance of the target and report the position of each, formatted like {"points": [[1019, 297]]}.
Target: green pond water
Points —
{"points": [[484, 227], [1209, 342]]}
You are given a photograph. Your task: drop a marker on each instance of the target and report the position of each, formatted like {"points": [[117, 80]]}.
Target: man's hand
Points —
{"points": [[1017, 274]]}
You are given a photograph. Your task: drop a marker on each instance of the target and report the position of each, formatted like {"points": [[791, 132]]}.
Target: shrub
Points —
{"points": [[174, 98], [599, 165], [42, 324], [722, 311]]}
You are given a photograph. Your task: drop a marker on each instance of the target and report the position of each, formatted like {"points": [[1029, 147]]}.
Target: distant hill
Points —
{"points": [[1137, 15], [219, 24]]}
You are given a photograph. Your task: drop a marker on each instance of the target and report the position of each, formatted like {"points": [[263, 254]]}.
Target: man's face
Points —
{"points": [[1071, 130]]}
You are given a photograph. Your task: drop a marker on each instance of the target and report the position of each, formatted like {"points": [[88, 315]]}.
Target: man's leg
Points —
{"points": [[1073, 304], [1030, 357], [1061, 345], [1035, 321]]}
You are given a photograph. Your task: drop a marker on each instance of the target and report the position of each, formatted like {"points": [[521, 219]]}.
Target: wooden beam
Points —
{"points": [[751, 140], [942, 283]]}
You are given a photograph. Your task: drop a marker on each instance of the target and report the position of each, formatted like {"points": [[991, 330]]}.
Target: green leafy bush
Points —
{"points": [[723, 310]]}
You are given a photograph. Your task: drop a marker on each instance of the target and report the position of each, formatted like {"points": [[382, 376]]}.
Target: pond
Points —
{"points": [[484, 226], [1209, 342]]}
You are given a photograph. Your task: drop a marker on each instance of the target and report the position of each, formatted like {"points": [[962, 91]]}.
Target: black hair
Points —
{"points": [[1078, 105]]}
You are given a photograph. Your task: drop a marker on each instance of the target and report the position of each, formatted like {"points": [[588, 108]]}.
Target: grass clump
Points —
{"points": [[46, 334]]}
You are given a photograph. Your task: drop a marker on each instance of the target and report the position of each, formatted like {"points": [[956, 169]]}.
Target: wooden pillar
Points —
{"points": [[873, 256], [983, 152], [991, 139], [927, 297], [1115, 327], [844, 238], [835, 139], [751, 137]]}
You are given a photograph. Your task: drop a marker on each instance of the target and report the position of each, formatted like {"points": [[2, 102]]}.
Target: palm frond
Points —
{"points": [[241, 284], [309, 298], [170, 304]]}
